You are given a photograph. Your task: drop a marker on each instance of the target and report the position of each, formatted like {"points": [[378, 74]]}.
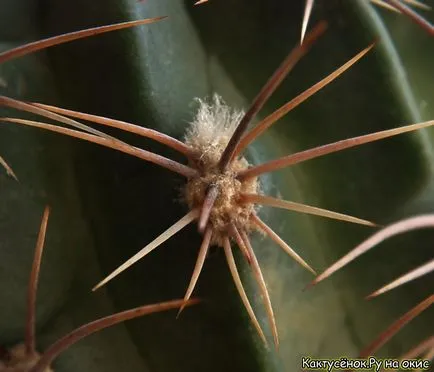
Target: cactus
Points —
{"points": [[93, 189], [24, 357]]}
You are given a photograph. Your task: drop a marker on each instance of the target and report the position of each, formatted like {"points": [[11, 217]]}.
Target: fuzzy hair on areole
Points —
{"points": [[208, 136]]}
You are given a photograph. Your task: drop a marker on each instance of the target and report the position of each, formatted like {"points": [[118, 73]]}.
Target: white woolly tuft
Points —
{"points": [[213, 125]]}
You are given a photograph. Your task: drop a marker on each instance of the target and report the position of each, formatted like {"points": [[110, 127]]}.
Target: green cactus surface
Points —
{"points": [[107, 205]]}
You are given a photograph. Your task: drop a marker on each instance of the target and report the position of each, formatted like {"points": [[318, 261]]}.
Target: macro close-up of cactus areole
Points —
{"points": [[229, 167]]}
